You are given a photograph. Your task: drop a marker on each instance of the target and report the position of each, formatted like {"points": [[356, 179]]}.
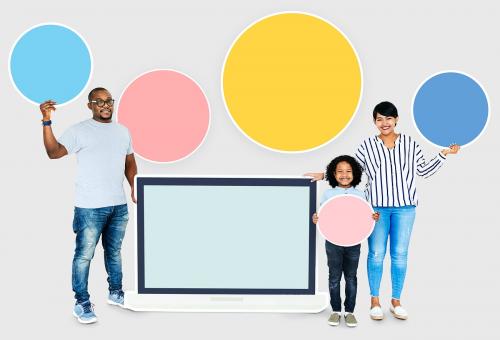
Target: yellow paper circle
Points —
{"points": [[292, 82]]}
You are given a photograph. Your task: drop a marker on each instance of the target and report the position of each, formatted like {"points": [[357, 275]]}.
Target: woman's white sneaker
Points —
{"points": [[376, 313], [399, 312]]}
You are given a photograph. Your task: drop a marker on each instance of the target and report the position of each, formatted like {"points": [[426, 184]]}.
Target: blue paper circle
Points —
{"points": [[450, 107], [50, 61]]}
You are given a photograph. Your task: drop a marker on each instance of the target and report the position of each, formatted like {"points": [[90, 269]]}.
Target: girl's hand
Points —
{"points": [[376, 216], [315, 218]]}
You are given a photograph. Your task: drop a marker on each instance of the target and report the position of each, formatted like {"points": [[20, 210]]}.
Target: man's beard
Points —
{"points": [[106, 118]]}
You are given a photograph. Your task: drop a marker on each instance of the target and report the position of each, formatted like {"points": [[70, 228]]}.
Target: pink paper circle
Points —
{"points": [[166, 113], [345, 220]]}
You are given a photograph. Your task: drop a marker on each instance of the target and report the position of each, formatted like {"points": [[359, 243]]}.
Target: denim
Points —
{"points": [[395, 223], [342, 260], [89, 224]]}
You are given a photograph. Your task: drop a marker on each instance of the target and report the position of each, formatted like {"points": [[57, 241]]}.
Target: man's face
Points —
{"points": [[101, 105]]}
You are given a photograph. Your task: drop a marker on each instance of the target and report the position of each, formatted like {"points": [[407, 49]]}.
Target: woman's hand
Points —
{"points": [[316, 176], [453, 149], [376, 216]]}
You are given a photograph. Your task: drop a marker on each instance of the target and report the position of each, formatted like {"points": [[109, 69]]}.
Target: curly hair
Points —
{"points": [[357, 170]]}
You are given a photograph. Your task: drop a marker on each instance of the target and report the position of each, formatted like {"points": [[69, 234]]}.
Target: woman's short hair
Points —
{"points": [[385, 109]]}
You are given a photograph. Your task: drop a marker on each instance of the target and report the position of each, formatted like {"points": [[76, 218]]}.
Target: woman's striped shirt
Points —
{"points": [[391, 172]]}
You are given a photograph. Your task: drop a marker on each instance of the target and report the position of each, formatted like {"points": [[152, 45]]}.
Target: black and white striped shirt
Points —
{"points": [[391, 172]]}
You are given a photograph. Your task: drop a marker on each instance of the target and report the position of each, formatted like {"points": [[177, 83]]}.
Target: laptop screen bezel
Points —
{"points": [[142, 181]]}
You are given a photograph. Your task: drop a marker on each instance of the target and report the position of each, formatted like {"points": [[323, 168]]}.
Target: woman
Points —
{"points": [[391, 160]]}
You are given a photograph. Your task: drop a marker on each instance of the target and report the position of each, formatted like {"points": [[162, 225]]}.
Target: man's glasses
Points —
{"points": [[100, 102]]}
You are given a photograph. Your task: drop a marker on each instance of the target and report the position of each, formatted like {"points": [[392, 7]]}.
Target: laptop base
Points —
{"points": [[226, 303]]}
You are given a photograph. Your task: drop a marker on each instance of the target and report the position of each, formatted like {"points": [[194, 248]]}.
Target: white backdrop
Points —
{"points": [[453, 277]]}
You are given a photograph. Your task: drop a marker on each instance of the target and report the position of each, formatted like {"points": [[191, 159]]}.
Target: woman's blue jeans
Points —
{"points": [[395, 224], [89, 225]]}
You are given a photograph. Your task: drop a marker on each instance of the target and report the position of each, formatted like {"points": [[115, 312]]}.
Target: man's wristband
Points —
{"points": [[46, 122]]}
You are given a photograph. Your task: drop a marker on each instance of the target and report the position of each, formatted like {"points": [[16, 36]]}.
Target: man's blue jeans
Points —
{"points": [[89, 225], [395, 223]]}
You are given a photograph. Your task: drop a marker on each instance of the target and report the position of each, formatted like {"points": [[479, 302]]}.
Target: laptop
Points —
{"points": [[225, 244]]}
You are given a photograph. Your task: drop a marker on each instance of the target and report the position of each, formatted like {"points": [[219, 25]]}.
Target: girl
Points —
{"points": [[343, 173]]}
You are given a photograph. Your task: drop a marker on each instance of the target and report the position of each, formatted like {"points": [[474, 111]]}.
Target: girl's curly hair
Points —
{"points": [[357, 170]]}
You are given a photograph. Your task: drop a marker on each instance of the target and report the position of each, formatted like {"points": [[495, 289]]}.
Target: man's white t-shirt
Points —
{"points": [[100, 150]]}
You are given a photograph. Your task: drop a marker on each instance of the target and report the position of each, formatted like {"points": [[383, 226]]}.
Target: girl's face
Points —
{"points": [[385, 124], [343, 174]]}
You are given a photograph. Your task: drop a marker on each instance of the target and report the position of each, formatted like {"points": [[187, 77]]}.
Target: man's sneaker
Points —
{"points": [[116, 298], [334, 319], [350, 320], [84, 312]]}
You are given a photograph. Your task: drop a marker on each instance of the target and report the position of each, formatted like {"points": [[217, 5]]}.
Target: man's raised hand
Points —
{"points": [[47, 107]]}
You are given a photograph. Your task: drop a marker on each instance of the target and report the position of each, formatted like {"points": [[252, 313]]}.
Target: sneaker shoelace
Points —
{"points": [[118, 294], [88, 307]]}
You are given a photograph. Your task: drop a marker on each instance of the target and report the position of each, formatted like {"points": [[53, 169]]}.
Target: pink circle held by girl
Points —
{"points": [[166, 113], [345, 220]]}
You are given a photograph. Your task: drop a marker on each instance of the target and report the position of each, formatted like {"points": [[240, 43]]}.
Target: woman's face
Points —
{"points": [[385, 124]]}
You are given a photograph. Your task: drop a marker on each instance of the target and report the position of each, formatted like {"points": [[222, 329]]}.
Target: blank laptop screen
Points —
{"points": [[226, 235]]}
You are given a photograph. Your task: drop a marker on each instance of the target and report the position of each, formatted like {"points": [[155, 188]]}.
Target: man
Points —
{"points": [[104, 152]]}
